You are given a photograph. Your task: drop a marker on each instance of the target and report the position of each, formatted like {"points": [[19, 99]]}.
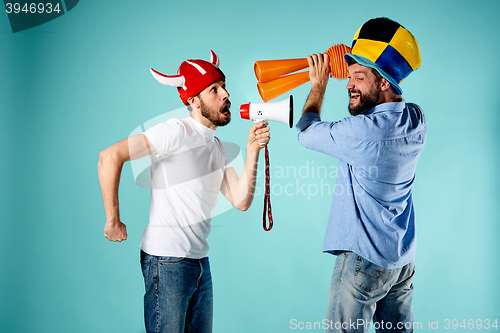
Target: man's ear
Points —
{"points": [[384, 84], [194, 102]]}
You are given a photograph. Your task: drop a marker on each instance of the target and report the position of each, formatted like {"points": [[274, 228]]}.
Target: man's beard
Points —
{"points": [[212, 116], [366, 102]]}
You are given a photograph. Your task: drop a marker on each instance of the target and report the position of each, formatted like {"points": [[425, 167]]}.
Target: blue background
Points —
{"points": [[77, 84]]}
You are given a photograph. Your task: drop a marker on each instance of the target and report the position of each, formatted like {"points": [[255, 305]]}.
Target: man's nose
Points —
{"points": [[349, 84], [225, 94]]}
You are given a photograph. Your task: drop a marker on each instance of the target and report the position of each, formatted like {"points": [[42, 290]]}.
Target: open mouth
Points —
{"points": [[225, 111], [354, 96]]}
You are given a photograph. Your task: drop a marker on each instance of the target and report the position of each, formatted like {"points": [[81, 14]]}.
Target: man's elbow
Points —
{"points": [[303, 139], [108, 157], [243, 206], [103, 158]]}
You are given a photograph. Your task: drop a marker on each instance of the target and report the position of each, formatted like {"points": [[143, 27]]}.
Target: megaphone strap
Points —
{"points": [[267, 197]]}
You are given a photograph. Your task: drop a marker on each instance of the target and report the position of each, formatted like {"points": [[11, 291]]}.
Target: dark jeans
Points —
{"points": [[179, 296]]}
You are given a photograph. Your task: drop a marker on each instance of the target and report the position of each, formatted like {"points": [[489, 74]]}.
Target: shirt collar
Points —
{"points": [[390, 106], [208, 133]]}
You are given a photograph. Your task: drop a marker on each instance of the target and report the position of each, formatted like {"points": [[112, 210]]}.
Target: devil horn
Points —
{"points": [[214, 59], [169, 80]]}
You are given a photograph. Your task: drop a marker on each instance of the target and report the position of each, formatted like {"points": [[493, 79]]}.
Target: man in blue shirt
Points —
{"points": [[371, 227]]}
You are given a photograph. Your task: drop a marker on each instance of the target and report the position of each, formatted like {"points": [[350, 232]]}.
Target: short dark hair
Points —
{"points": [[351, 61], [378, 77]]}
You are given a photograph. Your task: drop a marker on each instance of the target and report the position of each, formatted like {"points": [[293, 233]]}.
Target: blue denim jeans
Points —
{"points": [[179, 295], [361, 291]]}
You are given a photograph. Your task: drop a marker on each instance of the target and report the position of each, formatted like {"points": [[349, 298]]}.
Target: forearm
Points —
{"points": [[109, 169], [245, 187], [240, 190], [315, 100], [319, 69]]}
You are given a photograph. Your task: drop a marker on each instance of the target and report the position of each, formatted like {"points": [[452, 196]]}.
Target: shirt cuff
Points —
{"points": [[306, 120]]}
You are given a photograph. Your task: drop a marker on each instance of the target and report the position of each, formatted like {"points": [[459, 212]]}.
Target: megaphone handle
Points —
{"points": [[267, 197], [256, 122]]}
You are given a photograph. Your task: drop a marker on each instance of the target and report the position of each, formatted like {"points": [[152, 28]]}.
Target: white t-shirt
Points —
{"points": [[186, 177]]}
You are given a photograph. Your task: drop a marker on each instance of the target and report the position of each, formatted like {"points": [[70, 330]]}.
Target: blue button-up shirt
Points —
{"points": [[372, 213]]}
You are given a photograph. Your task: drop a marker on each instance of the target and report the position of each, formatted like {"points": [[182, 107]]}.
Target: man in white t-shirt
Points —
{"points": [[189, 168]]}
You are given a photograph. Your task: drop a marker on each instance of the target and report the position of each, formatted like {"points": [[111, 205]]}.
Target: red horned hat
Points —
{"points": [[193, 76]]}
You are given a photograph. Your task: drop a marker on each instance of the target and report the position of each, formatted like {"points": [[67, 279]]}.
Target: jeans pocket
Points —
{"points": [[169, 260], [145, 264], [409, 280], [370, 277]]}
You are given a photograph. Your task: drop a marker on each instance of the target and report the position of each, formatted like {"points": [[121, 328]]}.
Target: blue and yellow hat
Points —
{"points": [[387, 47]]}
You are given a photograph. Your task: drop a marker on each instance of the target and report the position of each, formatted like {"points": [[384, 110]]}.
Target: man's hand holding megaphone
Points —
{"points": [[259, 136], [281, 111]]}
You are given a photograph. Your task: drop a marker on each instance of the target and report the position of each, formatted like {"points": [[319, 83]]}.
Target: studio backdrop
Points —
{"points": [[75, 79]]}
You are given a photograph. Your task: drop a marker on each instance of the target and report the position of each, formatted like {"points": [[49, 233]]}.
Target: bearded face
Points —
{"points": [[218, 117], [363, 88], [360, 103]]}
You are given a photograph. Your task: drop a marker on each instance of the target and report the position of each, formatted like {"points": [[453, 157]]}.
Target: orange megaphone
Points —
{"points": [[274, 82]]}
